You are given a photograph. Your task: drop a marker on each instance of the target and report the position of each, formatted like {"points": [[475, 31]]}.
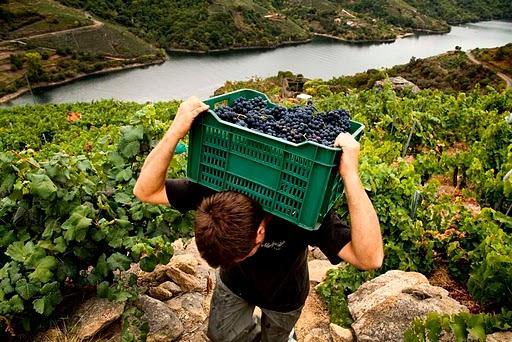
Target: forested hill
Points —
{"points": [[206, 25]]}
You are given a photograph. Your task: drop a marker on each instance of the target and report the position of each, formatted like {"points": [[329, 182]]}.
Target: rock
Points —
{"points": [[50, 335], [339, 334], [164, 324], [185, 262], [158, 276], [398, 83], [190, 309], [384, 307], [178, 247], [318, 269], [94, 315], [505, 336], [185, 280], [165, 291], [160, 293], [318, 254], [318, 335]]}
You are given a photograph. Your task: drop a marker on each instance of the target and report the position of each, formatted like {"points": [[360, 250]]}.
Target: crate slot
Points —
{"points": [[287, 206], [293, 187], [214, 157], [256, 191], [216, 137], [265, 153], [211, 176]]}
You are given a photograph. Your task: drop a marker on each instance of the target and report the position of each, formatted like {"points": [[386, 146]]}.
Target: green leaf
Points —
{"points": [[25, 289], [16, 304], [124, 175], [148, 263], [132, 133], [118, 261], [123, 198], [76, 227], [102, 290], [101, 268], [60, 244], [131, 149], [39, 305], [41, 185], [43, 272]]}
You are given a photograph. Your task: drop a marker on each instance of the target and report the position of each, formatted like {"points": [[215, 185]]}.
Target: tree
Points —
{"points": [[35, 70]]}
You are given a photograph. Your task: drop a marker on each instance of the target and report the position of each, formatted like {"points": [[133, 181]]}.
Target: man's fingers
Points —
{"points": [[200, 109]]}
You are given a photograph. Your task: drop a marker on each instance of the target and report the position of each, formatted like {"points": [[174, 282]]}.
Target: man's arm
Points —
{"points": [[365, 250], [150, 186]]}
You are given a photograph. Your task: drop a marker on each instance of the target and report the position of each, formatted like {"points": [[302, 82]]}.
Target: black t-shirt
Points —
{"points": [[276, 277]]}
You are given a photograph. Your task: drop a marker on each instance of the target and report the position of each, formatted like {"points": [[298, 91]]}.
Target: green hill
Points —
{"points": [[44, 42], [207, 25]]}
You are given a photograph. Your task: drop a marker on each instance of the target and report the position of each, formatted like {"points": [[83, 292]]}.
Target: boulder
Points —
{"points": [[384, 307], [318, 269], [339, 334], [94, 315], [164, 324], [505, 336], [318, 335], [398, 83], [190, 308]]}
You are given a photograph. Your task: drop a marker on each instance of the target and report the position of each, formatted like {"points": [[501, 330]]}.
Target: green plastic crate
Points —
{"points": [[297, 182]]}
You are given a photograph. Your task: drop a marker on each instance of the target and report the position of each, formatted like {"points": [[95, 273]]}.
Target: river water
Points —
{"points": [[185, 75]]}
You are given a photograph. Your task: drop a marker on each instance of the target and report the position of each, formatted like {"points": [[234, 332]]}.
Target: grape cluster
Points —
{"points": [[296, 124]]}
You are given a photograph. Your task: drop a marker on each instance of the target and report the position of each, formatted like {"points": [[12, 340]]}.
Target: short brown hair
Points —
{"points": [[226, 226]]}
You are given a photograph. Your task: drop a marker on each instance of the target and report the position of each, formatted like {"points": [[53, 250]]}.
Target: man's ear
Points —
{"points": [[260, 233]]}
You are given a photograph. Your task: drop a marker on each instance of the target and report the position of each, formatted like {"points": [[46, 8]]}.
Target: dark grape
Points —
{"points": [[296, 124]]}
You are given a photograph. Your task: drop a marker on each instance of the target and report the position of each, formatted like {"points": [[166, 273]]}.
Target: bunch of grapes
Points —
{"points": [[296, 124]]}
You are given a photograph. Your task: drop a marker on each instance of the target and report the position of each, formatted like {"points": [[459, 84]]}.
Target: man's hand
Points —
{"points": [[186, 114], [350, 157]]}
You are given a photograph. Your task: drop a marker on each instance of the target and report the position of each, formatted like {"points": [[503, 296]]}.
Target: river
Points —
{"points": [[185, 75]]}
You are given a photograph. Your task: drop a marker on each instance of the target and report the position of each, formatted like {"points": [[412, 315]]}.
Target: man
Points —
{"points": [[262, 259]]}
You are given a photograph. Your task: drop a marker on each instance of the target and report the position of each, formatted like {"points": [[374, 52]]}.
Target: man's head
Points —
{"points": [[229, 228]]}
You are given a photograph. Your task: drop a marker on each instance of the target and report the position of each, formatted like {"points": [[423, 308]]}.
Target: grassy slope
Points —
{"points": [[499, 57], [25, 18], [64, 55]]}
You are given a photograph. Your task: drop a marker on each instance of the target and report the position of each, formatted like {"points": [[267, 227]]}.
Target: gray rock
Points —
{"points": [[505, 336], [340, 334], [316, 253], [384, 307], [318, 269], [94, 315], [398, 83], [164, 324], [190, 308]]}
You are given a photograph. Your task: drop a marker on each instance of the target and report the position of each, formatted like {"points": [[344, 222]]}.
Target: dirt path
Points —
{"points": [[506, 78], [95, 25]]}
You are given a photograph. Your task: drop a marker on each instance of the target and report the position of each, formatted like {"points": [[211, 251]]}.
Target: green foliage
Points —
{"points": [[70, 220], [463, 326]]}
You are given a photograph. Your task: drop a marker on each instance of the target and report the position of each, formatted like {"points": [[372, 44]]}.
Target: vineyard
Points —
{"points": [[436, 166]]}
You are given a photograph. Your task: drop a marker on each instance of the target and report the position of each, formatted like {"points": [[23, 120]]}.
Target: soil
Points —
{"points": [[441, 277]]}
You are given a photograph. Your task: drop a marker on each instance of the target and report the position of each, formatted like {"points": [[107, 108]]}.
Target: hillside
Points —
{"points": [[499, 58], [44, 43], [203, 26], [450, 72]]}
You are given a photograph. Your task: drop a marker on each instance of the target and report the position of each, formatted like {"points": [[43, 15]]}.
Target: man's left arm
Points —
{"points": [[365, 250]]}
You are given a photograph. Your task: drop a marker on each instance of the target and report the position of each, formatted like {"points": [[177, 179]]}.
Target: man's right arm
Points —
{"points": [[150, 186]]}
